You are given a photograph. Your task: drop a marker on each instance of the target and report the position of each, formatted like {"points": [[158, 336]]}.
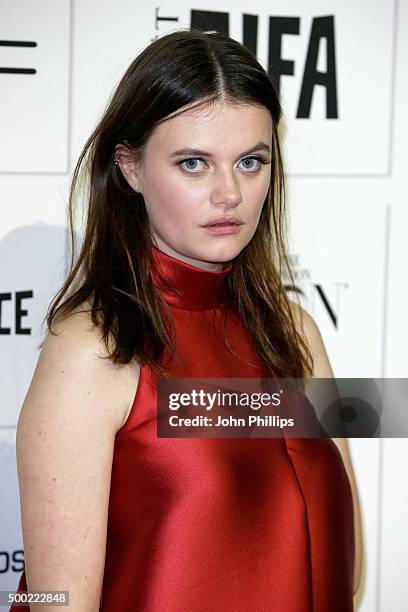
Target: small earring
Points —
{"points": [[117, 158]]}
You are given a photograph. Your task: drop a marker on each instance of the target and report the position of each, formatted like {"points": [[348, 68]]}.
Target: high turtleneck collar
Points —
{"points": [[200, 289]]}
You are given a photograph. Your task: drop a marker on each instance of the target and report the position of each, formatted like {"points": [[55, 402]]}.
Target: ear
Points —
{"points": [[129, 167]]}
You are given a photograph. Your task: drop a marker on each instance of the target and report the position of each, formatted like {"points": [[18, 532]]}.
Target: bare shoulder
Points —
{"points": [[74, 356], [305, 322], [64, 450], [310, 331]]}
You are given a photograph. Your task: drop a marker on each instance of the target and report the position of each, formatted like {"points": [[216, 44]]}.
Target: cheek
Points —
{"points": [[255, 195], [265, 183], [170, 200]]}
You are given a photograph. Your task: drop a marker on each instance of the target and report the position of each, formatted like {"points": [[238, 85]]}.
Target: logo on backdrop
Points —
{"points": [[11, 561], [34, 73], [17, 303], [322, 30], [328, 295], [316, 62]]}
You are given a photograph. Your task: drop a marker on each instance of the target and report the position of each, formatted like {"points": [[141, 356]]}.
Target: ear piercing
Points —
{"points": [[117, 158]]}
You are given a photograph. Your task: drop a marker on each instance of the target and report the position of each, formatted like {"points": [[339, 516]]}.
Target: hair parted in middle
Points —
{"points": [[111, 274]]}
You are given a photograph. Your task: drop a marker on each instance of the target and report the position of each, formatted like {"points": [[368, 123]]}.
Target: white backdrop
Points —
{"points": [[343, 68]]}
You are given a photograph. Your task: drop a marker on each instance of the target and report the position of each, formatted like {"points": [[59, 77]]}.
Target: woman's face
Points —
{"points": [[223, 176]]}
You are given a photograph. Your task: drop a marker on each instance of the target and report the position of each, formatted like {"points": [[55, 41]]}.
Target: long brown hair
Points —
{"points": [[111, 271]]}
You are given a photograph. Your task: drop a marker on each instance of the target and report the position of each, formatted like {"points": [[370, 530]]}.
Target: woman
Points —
{"points": [[120, 518]]}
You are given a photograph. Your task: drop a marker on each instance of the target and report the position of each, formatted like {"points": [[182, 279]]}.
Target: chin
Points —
{"points": [[222, 253]]}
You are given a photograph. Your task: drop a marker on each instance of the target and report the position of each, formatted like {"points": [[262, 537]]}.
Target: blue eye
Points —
{"points": [[258, 159], [189, 161], [192, 160]]}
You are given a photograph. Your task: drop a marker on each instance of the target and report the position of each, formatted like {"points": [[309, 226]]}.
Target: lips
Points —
{"points": [[223, 221]]}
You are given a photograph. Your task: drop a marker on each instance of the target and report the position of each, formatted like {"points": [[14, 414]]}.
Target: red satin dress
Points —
{"points": [[215, 525]]}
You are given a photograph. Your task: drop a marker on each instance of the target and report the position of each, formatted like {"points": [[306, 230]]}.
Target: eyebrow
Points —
{"points": [[187, 151]]}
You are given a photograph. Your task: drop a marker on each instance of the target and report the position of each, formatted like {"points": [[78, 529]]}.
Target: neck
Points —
{"points": [[196, 263], [184, 285]]}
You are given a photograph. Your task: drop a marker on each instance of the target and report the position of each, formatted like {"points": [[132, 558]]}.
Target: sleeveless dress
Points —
{"points": [[214, 525]]}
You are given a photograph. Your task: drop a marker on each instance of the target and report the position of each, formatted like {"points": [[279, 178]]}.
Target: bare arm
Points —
{"points": [[64, 446], [323, 369]]}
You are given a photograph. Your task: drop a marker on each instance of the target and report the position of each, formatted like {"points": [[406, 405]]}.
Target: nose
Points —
{"points": [[226, 191]]}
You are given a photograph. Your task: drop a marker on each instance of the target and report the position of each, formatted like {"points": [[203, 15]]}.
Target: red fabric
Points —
{"points": [[262, 524]]}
